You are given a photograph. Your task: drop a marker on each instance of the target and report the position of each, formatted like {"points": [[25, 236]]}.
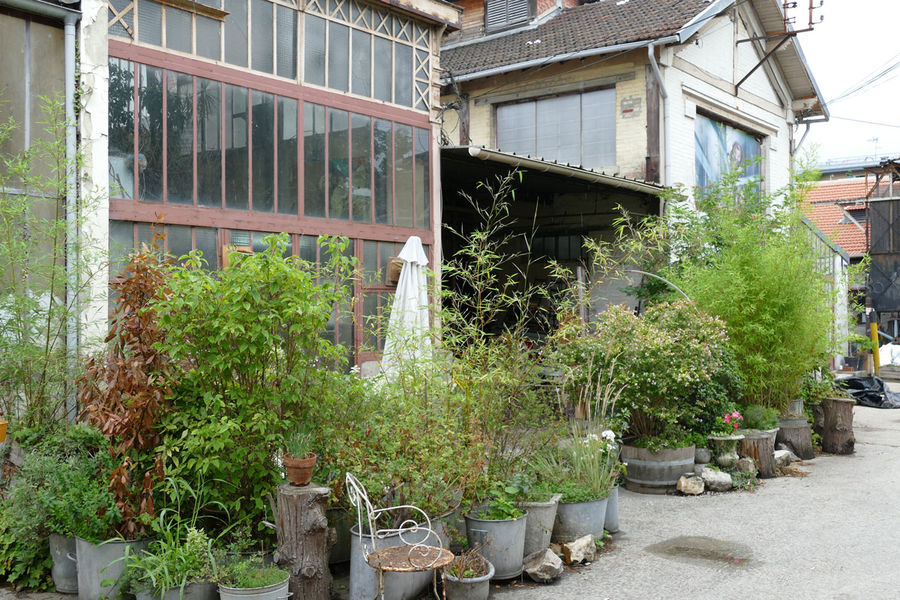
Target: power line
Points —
{"points": [[865, 83], [866, 122]]}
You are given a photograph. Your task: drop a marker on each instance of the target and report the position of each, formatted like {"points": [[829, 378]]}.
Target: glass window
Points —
{"points": [[178, 29], [237, 159], [179, 138], [362, 63], [423, 188], [338, 164], [150, 22], [719, 148], [209, 142], [314, 51], [206, 240], [309, 248], [314, 160], [209, 37], [178, 240], [236, 32], [403, 71], [383, 168], [382, 59], [338, 56], [121, 128], [287, 41], [361, 153], [403, 174], [263, 152], [261, 40], [150, 144], [121, 243], [287, 156]]}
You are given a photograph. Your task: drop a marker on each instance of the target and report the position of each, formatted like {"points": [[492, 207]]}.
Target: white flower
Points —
{"points": [[609, 435]]}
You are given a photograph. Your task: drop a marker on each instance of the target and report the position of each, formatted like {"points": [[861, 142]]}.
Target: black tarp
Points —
{"points": [[871, 391]]}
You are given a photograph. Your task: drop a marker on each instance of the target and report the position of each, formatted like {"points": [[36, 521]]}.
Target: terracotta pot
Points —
{"points": [[300, 470], [3, 424]]}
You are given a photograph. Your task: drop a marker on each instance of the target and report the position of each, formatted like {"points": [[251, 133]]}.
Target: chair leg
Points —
{"points": [[380, 579]]}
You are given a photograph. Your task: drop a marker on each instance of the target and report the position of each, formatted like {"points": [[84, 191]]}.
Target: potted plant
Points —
{"points": [[175, 565], [3, 425], [723, 441], [540, 503], [497, 531], [468, 577], [299, 459], [249, 578], [760, 418]]}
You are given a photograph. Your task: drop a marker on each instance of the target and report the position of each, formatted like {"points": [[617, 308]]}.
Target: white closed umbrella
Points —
{"points": [[408, 333]]}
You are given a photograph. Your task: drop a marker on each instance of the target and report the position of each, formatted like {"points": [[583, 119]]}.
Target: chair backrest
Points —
{"points": [[409, 530]]}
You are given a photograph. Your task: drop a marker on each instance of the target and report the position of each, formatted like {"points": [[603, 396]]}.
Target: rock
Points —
{"points": [[793, 456], [782, 458], [690, 484], [746, 465], [580, 550], [698, 468], [556, 549], [702, 455], [716, 481], [543, 566]]}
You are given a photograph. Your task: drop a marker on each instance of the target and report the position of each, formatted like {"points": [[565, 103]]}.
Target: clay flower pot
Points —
{"points": [[3, 424], [300, 470]]}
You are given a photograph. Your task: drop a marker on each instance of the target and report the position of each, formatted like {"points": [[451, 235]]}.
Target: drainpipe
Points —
{"points": [[667, 167], [72, 279]]}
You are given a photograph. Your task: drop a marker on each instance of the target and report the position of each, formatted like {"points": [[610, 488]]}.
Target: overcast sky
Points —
{"points": [[857, 39]]}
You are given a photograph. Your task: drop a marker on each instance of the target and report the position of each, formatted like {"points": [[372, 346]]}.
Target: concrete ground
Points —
{"points": [[833, 534]]}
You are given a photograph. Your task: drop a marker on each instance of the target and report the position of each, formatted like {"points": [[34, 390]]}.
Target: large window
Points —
{"points": [[720, 147], [579, 129]]}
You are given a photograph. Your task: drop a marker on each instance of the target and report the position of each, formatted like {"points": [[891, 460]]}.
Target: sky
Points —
{"points": [[856, 40]]}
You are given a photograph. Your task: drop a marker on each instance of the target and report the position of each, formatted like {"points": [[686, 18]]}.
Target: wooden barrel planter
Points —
{"points": [[837, 430], [656, 472], [796, 433]]}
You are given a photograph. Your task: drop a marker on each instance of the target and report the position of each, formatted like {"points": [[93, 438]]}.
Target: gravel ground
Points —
{"points": [[829, 535]]}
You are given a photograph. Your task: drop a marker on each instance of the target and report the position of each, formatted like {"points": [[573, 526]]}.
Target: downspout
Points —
{"points": [[667, 168], [800, 143], [72, 278]]}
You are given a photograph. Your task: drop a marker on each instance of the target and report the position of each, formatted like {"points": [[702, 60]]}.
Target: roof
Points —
{"points": [[586, 27], [563, 169], [822, 206]]}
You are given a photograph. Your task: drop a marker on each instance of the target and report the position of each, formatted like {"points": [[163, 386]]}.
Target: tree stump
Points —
{"points": [[838, 431], [304, 540], [760, 447], [796, 433], [818, 425]]}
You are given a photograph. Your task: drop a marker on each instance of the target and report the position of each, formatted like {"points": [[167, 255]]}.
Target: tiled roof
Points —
{"points": [[822, 206], [594, 25]]}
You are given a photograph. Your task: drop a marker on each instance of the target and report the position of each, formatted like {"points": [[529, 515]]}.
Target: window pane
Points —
{"points": [[150, 150], [362, 63], [178, 29], [237, 160], [403, 74], [383, 166], [386, 251], [314, 51], [370, 263], [287, 156], [383, 70], [236, 32], [515, 128], [361, 153], [338, 164], [559, 129], [121, 243], [287, 42], [263, 152], [598, 129], [261, 41], [314, 160], [209, 143], [207, 242], [121, 128], [370, 321], [150, 22], [178, 240], [209, 37], [308, 248], [338, 56], [403, 174], [423, 187], [180, 138]]}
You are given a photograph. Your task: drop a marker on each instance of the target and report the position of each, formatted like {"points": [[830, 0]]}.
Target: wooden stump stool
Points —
{"points": [[303, 540], [759, 446], [837, 436], [796, 433]]}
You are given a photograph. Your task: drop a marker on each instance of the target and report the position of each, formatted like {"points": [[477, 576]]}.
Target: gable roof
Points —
{"points": [[586, 27], [822, 206]]}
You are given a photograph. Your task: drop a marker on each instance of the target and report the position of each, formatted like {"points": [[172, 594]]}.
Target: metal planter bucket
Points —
{"points": [[276, 591], [576, 519], [611, 522], [539, 523], [473, 588], [397, 586], [501, 542], [192, 591], [97, 562], [65, 569], [339, 520]]}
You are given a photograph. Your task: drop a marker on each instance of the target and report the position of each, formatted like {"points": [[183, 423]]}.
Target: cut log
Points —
{"points": [[837, 437], [818, 425], [304, 539], [760, 447], [796, 433]]}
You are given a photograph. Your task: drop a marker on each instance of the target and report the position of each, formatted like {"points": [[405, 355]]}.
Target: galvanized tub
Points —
{"points": [[99, 562], [539, 523], [397, 586], [611, 522], [276, 591], [577, 519], [65, 563], [473, 588], [501, 542]]}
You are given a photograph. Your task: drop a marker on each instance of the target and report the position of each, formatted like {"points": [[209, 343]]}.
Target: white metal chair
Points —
{"points": [[416, 552]]}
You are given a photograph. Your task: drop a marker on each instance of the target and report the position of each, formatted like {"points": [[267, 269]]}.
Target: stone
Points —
{"points": [[543, 566], [690, 484], [580, 550], [556, 548], [746, 465], [783, 446], [698, 468], [716, 481], [702, 455], [782, 458]]}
